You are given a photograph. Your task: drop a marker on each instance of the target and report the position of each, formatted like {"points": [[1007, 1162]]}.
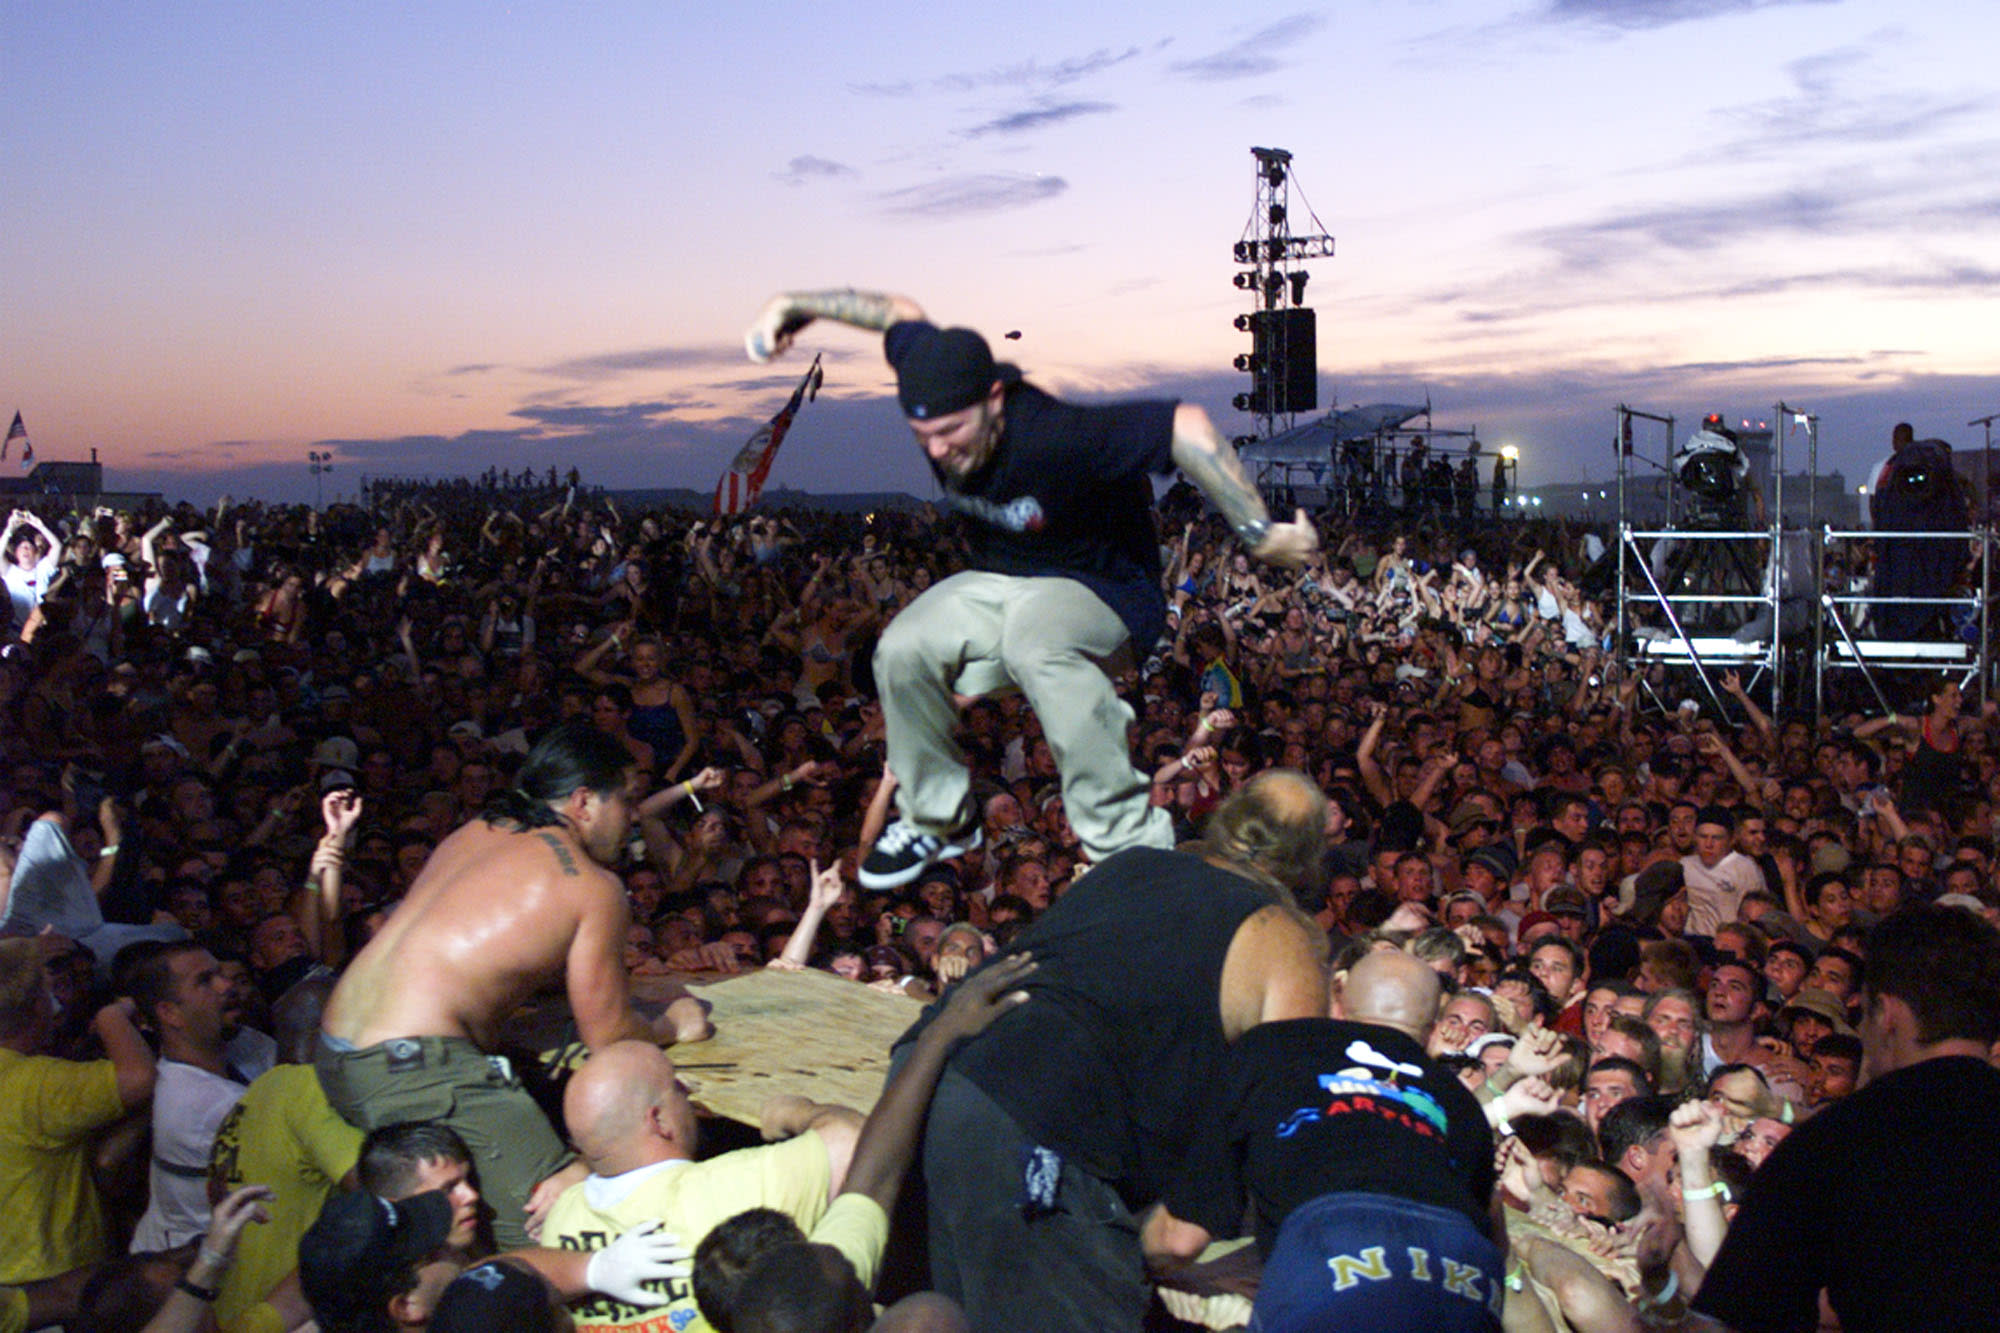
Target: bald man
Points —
{"points": [[631, 1121], [1368, 1166], [1053, 1126]]}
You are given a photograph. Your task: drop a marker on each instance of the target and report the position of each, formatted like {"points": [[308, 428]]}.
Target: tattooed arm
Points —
{"points": [[779, 322], [1210, 462]]}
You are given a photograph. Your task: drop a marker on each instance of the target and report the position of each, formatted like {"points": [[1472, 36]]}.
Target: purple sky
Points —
{"points": [[437, 238]]}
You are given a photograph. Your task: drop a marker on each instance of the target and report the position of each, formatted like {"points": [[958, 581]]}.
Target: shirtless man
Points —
{"points": [[506, 904]]}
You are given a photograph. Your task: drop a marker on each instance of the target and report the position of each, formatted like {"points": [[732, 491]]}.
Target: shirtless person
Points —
{"points": [[506, 903]]}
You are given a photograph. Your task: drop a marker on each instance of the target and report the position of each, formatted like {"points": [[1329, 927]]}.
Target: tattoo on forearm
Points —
{"points": [[866, 310], [563, 857], [1220, 476]]}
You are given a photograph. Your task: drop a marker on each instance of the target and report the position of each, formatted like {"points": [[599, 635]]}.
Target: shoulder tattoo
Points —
{"points": [[563, 855]]}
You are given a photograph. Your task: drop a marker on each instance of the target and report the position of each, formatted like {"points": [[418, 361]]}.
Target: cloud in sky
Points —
{"points": [[1044, 113], [1022, 74], [806, 168], [610, 365], [1706, 225], [971, 193], [1641, 14], [1262, 52], [1833, 104]]}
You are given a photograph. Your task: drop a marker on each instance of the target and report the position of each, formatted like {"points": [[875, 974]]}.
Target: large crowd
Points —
{"points": [[233, 739]]}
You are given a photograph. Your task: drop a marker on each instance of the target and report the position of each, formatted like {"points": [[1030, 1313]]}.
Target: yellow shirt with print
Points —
{"points": [[282, 1134], [688, 1199]]}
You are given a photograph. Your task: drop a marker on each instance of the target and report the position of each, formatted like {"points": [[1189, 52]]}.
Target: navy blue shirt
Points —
{"points": [[1067, 493]]}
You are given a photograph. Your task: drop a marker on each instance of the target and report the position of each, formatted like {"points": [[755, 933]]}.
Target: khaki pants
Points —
{"points": [[978, 633], [450, 1081]]}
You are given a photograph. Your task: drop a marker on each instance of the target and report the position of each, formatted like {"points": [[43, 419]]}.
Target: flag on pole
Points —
{"points": [[18, 432], [744, 481]]}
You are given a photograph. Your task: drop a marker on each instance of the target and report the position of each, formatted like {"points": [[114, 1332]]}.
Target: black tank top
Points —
{"points": [[1124, 1030]]}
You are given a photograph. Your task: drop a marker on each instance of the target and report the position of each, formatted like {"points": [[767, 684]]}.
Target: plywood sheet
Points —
{"points": [[808, 1033]]}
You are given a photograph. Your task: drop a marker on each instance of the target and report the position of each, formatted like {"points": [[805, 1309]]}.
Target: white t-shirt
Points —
{"points": [[189, 1105], [1715, 893], [25, 587]]}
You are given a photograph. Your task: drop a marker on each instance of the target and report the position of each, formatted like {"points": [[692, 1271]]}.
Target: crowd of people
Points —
{"points": [[250, 753]]}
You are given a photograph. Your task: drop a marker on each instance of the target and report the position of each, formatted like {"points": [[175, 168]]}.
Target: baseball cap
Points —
{"points": [[494, 1295], [1533, 919], [335, 779], [941, 371], [336, 752], [1497, 858], [361, 1243], [1566, 901]]}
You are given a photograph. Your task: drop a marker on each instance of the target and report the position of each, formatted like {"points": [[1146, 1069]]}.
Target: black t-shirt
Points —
{"points": [[1124, 1028], [1067, 493], [1315, 1106], [1888, 1200]]}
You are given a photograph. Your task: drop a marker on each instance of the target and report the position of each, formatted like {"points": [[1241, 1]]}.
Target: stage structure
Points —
{"points": [[1727, 581], [1283, 360], [1700, 593], [1889, 603], [1358, 460]]}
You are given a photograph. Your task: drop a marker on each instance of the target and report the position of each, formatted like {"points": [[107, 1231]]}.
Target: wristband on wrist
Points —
{"points": [[1252, 532], [213, 1258], [1713, 1190], [109, 849], [206, 1295], [1665, 1294]]}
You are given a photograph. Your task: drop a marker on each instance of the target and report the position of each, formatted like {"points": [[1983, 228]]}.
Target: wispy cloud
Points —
{"points": [[610, 365], [1025, 74], [1641, 14], [1643, 232], [806, 168], [1044, 113], [1262, 52], [1831, 103], [971, 194], [474, 368]]}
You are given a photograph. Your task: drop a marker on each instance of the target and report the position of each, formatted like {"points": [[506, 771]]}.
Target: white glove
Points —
{"points": [[643, 1254]]}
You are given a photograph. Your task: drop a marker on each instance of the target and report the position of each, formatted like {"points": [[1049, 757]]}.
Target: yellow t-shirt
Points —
{"points": [[282, 1134], [687, 1199], [50, 1111], [856, 1226]]}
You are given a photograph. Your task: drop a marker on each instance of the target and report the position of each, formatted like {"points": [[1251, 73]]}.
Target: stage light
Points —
{"points": [[1277, 215], [1246, 281], [1244, 361], [1861, 490], [1299, 287], [1242, 323], [1241, 402], [1241, 252], [1511, 453]]}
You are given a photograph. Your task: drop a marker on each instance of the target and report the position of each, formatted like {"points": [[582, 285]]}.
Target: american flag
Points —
{"points": [[744, 482], [18, 432]]}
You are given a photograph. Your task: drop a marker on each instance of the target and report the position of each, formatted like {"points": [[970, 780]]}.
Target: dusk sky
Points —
{"points": [[432, 238]]}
